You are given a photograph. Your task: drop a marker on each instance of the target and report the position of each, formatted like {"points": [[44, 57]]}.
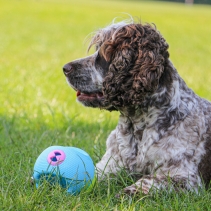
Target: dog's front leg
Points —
{"points": [[146, 183], [111, 162], [151, 182]]}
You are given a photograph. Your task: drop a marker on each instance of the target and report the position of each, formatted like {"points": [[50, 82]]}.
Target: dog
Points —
{"points": [[164, 128]]}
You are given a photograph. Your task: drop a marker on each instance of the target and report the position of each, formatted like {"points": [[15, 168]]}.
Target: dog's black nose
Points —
{"points": [[67, 69]]}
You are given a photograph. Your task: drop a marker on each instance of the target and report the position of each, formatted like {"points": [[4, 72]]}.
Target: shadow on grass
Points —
{"points": [[23, 139], [21, 142], [22, 134]]}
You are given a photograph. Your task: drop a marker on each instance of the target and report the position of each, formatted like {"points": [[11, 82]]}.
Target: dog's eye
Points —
{"points": [[97, 46], [98, 58], [101, 62]]}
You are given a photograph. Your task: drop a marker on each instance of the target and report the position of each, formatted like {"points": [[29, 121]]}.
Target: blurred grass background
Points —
{"points": [[38, 108]]}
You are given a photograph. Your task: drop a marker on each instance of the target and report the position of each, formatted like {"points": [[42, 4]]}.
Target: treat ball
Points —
{"points": [[70, 167]]}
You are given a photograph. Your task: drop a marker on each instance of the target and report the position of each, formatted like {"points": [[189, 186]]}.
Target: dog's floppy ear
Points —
{"points": [[119, 50], [148, 70], [137, 55], [152, 56]]}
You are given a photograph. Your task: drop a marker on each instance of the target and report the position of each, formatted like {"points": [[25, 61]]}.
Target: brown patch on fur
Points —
{"points": [[173, 162], [138, 134]]}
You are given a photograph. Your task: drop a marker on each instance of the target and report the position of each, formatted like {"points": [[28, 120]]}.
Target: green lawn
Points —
{"points": [[38, 109]]}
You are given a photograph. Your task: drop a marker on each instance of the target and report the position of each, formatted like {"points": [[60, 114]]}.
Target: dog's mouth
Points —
{"points": [[86, 96], [93, 99]]}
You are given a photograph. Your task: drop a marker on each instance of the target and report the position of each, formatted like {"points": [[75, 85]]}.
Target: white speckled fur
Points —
{"points": [[154, 152], [169, 139]]}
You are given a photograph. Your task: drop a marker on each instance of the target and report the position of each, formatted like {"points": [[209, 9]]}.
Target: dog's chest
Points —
{"points": [[143, 151], [149, 158], [138, 151], [149, 154]]}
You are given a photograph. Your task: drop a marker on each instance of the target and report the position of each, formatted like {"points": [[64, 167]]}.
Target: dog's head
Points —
{"points": [[126, 67]]}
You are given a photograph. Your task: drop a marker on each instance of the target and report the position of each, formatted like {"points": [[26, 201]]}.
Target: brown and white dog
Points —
{"points": [[164, 129]]}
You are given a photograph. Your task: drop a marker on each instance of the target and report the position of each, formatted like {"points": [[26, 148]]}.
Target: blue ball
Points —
{"points": [[70, 167]]}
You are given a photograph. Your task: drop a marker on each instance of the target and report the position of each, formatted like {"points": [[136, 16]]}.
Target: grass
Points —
{"points": [[38, 109]]}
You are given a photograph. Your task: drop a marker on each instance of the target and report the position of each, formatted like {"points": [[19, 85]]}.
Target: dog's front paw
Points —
{"points": [[131, 190], [136, 189]]}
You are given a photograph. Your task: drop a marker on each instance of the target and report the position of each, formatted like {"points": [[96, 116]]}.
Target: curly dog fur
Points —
{"points": [[164, 129]]}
